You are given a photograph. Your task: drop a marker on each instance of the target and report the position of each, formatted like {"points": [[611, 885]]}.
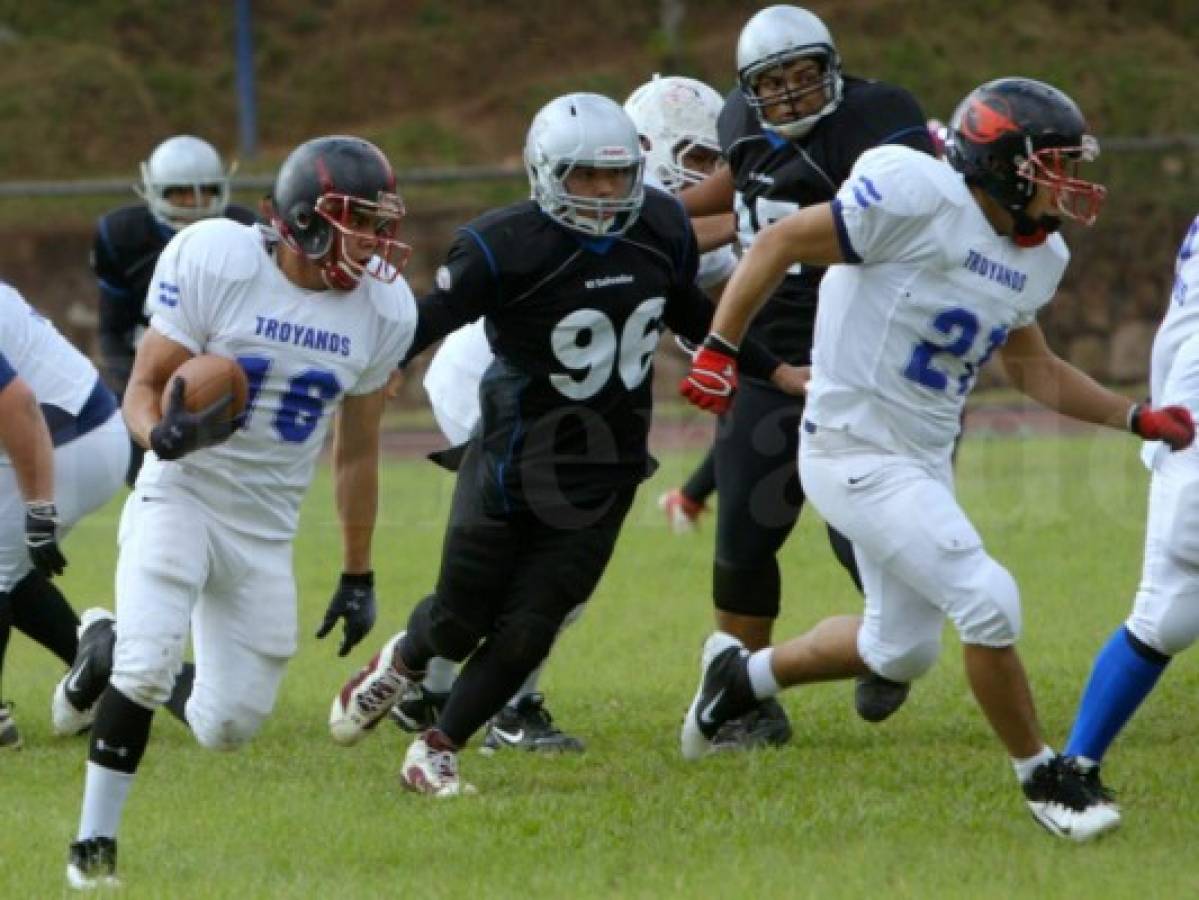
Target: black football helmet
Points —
{"points": [[1012, 134], [334, 200]]}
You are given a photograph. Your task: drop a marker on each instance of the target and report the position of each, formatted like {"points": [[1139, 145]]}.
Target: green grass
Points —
{"points": [[925, 806]]}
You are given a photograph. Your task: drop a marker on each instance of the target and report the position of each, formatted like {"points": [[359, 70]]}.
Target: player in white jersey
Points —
{"points": [[316, 313], [62, 450], [676, 121], [1165, 615], [947, 264]]}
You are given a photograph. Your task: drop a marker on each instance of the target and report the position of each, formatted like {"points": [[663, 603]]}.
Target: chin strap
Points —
{"points": [[1030, 232]]}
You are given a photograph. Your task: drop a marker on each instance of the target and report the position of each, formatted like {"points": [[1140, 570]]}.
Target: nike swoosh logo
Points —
{"points": [[856, 480], [705, 714], [511, 737], [73, 681]]}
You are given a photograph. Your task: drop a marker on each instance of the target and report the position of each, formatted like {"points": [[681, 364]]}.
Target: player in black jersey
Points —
{"points": [[790, 133], [182, 181], [575, 286]]}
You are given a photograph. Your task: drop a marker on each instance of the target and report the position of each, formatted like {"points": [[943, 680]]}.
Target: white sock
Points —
{"points": [[529, 687], [1025, 767], [761, 676], [104, 793], [440, 675]]}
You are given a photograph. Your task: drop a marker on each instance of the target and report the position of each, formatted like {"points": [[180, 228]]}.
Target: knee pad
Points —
{"points": [[225, 730], [984, 603], [142, 673], [524, 641], [449, 635], [747, 591], [906, 664], [1172, 630]]}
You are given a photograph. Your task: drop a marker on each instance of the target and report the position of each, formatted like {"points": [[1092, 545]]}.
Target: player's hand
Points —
{"points": [[712, 380], [41, 538], [1171, 424], [353, 601], [180, 432], [791, 379]]}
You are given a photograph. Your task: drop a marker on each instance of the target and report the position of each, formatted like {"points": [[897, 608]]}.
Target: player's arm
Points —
{"points": [[356, 475], [463, 288], [26, 440], [1041, 374], [120, 313], [713, 232], [711, 197], [356, 489], [25, 437], [809, 236], [157, 359]]}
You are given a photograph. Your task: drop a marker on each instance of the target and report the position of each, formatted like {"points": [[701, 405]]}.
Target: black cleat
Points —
{"points": [[73, 706], [766, 725], [876, 698], [724, 693], [10, 738], [417, 710], [92, 863], [528, 726], [1065, 801], [1090, 777]]}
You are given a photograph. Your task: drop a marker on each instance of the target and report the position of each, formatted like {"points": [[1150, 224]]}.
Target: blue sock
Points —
{"points": [[1125, 672]]}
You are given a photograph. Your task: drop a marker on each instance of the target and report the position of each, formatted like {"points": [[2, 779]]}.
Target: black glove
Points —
{"points": [[41, 538], [354, 601], [180, 432]]}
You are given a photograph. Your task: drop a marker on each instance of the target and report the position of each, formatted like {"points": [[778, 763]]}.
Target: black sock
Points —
{"points": [[177, 703], [120, 732], [700, 486], [416, 648], [5, 629], [482, 688], [40, 611]]}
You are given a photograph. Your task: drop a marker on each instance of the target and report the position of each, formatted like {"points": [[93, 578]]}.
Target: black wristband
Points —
{"points": [[715, 342], [362, 579], [1134, 418]]}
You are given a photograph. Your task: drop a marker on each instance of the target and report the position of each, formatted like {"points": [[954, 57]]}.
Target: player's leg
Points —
{"points": [[557, 570], [244, 630], [477, 559], [524, 722], [684, 505], [158, 579], [14, 565], [1164, 619], [10, 737]]}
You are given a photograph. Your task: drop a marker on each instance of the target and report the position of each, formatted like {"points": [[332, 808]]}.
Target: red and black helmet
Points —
{"points": [[338, 187], [1011, 134]]}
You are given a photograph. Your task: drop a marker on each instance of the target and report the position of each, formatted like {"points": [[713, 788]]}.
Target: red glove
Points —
{"points": [[1172, 424], [712, 380]]}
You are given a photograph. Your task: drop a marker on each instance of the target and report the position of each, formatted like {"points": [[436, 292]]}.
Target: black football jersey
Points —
{"points": [[124, 252], [574, 323], [775, 176]]}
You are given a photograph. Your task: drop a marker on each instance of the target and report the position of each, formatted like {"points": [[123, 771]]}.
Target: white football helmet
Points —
{"points": [[187, 163], [774, 37], [584, 130], [675, 115]]}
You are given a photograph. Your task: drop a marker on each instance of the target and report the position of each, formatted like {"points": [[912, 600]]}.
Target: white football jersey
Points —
{"points": [[1178, 328], [452, 379], [934, 291], [217, 289], [55, 371]]}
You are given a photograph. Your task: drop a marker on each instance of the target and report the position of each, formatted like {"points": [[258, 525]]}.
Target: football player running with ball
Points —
{"points": [[676, 122], [575, 286], [935, 267], [1165, 616], [316, 313]]}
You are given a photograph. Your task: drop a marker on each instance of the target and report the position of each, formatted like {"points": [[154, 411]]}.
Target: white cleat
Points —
{"points": [[364, 701], [1066, 805], [433, 770]]}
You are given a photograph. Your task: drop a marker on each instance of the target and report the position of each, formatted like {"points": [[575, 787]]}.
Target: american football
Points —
{"points": [[209, 377]]}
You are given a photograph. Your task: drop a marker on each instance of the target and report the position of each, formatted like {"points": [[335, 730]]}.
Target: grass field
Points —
{"points": [[923, 806]]}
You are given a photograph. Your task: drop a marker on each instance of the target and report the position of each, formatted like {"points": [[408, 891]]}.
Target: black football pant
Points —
{"points": [[505, 587], [757, 474]]}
